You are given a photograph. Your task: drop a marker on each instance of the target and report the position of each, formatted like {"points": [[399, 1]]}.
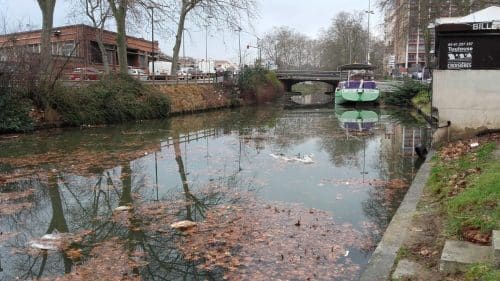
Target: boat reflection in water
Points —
{"points": [[357, 121]]}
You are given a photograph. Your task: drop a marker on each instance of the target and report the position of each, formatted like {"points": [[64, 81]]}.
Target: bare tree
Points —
{"points": [[97, 12], [3, 22], [47, 7], [289, 49], [344, 41], [222, 12], [119, 9]]}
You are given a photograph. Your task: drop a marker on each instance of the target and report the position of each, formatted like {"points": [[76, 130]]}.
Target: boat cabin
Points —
{"points": [[357, 84]]}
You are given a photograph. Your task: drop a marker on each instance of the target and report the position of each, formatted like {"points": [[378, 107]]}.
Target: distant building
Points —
{"points": [[76, 46], [187, 63], [405, 42]]}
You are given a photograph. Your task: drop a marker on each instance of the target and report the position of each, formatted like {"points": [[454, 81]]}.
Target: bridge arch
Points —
{"points": [[291, 77]]}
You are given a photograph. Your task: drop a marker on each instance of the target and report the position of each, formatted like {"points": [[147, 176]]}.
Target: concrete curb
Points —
{"points": [[382, 260]]}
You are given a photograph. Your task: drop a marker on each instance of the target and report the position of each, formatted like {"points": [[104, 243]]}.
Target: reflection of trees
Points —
{"points": [[393, 164], [74, 203], [58, 222], [87, 203], [343, 151], [191, 200], [34, 266]]}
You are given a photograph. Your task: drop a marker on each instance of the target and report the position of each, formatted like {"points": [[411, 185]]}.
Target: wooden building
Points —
{"points": [[76, 46]]}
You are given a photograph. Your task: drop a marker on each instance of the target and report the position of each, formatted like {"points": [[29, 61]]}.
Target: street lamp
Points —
{"points": [[259, 42], [239, 43], [349, 42], [369, 12], [152, 42], [206, 42], [259, 48], [206, 39], [183, 49]]}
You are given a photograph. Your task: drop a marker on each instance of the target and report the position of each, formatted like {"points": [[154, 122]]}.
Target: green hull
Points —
{"points": [[359, 115], [356, 95]]}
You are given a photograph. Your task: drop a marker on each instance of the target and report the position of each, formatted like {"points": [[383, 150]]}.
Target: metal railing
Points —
{"points": [[178, 81], [301, 74]]}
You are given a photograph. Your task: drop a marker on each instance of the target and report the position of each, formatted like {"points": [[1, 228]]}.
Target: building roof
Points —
{"points": [[490, 14], [55, 28]]}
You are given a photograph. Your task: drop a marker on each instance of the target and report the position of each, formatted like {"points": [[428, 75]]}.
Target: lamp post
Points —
{"points": [[349, 42], [259, 42], [239, 43], [152, 42], [183, 49], [369, 12], [206, 42]]}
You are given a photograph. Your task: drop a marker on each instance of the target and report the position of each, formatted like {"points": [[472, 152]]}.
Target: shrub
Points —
{"points": [[404, 93], [422, 98], [14, 107], [14, 113], [259, 84], [114, 99]]}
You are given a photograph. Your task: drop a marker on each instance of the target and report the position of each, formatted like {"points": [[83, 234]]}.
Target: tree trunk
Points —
{"points": [[121, 36], [178, 39], [47, 9], [182, 173], [104, 54]]}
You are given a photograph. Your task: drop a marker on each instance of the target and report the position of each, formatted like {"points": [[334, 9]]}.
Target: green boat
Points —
{"points": [[359, 86]]}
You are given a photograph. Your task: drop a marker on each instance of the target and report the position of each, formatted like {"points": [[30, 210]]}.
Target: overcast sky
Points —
{"points": [[307, 17]]}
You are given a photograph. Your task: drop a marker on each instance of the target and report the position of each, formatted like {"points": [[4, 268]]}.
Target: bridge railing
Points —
{"points": [[313, 74]]}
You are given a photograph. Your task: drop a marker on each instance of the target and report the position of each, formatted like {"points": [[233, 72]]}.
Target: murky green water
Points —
{"points": [[71, 181]]}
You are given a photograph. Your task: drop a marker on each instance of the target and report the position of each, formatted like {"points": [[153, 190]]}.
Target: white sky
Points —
{"points": [[307, 17]]}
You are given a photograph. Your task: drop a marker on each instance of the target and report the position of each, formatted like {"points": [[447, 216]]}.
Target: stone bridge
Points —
{"points": [[291, 77]]}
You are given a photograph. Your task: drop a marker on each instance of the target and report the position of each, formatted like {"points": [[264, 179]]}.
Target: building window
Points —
{"points": [[142, 60], [95, 53], [34, 48], [66, 48]]}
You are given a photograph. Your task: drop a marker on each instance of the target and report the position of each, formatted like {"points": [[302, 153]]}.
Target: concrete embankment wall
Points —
{"points": [[191, 98], [469, 99]]}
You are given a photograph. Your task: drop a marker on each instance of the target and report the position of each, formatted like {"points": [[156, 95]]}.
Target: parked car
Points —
{"points": [[196, 73], [183, 75], [138, 73], [85, 73]]}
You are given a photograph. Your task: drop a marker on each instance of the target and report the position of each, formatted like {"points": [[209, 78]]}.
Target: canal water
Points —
{"points": [[290, 194]]}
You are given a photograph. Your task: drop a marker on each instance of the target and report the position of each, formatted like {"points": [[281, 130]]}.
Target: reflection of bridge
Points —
{"points": [[291, 77]]}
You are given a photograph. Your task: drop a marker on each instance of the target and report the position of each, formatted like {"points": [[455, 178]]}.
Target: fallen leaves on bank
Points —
{"points": [[453, 151]]}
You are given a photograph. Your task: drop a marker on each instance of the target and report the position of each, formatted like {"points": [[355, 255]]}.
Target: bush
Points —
{"points": [[14, 108], [422, 98], [112, 100], [404, 93], [14, 113], [259, 84]]}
